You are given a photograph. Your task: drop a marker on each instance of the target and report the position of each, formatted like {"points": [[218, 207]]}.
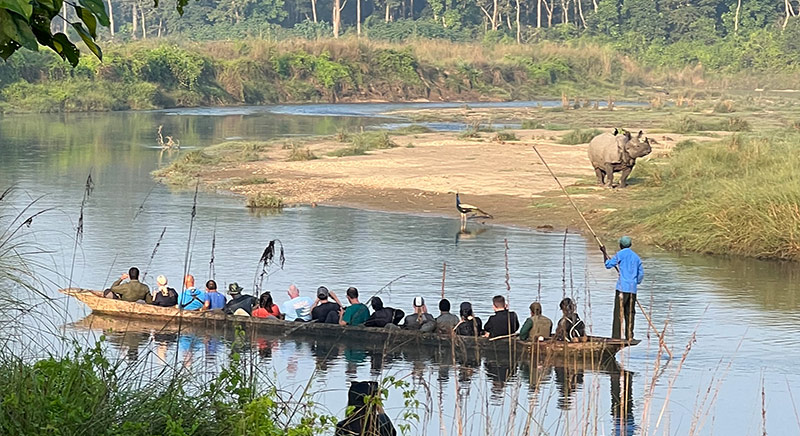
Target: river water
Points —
{"points": [[744, 314]]}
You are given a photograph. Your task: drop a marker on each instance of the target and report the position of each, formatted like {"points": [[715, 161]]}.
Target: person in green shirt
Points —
{"points": [[133, 290], [537, 325], [356, 313]]}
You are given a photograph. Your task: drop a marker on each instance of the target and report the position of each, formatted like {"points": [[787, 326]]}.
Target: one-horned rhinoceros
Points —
{"points": [[616, 153]]}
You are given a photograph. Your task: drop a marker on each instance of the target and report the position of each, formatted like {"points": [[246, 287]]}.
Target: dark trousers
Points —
{"points": [[624, 310]]}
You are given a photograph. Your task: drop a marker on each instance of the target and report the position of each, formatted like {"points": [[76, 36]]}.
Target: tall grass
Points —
{"points": [[579, 136], [361, 143], [737, 196]]}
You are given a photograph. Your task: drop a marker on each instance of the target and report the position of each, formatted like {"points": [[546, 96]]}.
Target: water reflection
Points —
{"points": [[622, 403]]}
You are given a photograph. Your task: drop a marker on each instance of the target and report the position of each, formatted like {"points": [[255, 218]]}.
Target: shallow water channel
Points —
{"points": [[744, 314]]}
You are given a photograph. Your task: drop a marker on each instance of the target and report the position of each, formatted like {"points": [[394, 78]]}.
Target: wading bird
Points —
{"points": [[466, 209]]}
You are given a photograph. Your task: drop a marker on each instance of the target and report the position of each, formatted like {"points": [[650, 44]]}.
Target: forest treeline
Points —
{"points": [[269, 51]]}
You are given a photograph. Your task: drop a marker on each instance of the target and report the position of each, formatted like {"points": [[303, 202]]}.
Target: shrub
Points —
{"points": [[579, 136], [684, 124], [532, 124], [505, 136], [264, 200], [301, 154], [724, 107]]}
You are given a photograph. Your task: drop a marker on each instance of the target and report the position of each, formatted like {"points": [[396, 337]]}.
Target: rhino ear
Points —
{"points": [[627, 134], [616, 131], [640, 135]]}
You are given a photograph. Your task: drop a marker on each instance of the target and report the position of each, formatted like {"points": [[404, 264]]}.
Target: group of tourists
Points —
{"points": [[328, 308]]}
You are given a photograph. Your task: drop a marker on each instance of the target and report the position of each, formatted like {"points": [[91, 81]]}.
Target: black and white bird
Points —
{"points": [[465, 209]]}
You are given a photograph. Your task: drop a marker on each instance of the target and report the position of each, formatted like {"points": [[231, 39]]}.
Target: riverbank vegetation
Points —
{"points": [[739, 195]]}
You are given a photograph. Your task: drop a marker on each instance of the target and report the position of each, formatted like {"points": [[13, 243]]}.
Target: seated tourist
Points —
{"points": [[298, 308], [503, 322], [324, 310], [132, 290], [191, 298], [266, 308], [366, 416], [383, 316], [537, 327], [570, 327], [240, 304], [214, 300], [420, 320], [164, 296], [356, 313], [469, 325], [446, 321]]}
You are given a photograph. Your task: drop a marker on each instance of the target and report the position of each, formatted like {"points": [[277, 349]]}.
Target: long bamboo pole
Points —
{"points": [[602, 248]]}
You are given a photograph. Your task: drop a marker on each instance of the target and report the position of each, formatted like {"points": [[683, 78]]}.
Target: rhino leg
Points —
{"points": [[623, 180], [609, 170], [600, 176]]}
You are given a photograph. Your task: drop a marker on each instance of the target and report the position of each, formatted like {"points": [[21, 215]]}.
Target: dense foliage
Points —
{"points": [[146, 75]]}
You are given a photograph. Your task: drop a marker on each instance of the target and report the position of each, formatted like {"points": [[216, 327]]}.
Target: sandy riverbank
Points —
{"points": [[423, 172]]}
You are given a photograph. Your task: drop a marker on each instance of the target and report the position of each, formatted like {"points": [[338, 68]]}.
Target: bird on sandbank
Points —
{"points": [[465, 209]]}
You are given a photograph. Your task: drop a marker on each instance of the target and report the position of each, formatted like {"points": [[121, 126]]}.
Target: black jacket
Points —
{"points": [[384, 316], [171, 299], [241, 301], [502, 323], [473, 327], [326, 312]]}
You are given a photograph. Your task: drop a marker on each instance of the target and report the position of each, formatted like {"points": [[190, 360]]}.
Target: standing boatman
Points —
{"points": [[631, 274]]}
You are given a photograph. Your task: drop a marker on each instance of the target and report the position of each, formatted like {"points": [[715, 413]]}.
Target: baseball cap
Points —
{"points": [[322, 292], [419, 301]]}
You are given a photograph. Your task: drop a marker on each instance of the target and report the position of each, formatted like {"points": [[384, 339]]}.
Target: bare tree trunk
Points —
{"points": [[564, 12], [789, 12], [495, 11], [519, 29], [550, 13], [580, 13], [594, 3], [160, 23], [110, 18], [144, 26], [336, 17], [539, 14], [736, 17], [314, 9], [412, 9], [386, 18], [358, 17], [135, 20]]}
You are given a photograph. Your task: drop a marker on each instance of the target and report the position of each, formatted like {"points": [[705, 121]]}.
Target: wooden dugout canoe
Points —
{"points": [[595, 349]]}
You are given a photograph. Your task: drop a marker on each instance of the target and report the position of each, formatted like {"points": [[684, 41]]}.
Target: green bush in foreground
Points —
{"points": [[736, 196], [85, 394]]}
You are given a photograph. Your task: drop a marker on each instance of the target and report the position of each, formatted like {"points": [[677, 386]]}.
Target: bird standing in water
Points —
{"points": [[465, 209]]}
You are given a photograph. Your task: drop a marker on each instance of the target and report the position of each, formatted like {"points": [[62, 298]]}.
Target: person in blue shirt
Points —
{"points": [[191, 298], [214, 300], [631, 274]]}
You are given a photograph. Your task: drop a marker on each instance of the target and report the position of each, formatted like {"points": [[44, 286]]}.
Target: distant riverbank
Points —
{"points": [[175, 73], [689, 194]]}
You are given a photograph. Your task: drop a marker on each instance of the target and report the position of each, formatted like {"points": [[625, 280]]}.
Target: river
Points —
{"points": [[743, 313]]}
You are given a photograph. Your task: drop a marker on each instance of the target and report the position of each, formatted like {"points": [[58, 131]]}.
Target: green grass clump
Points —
{"points": [[185, 170], [254, 180], [736, 196], [414, 129], [684, 124], [724, 107], [579, 136], [532, 124], [361, 143], [264, 200], [299, 154], [505, 136]]}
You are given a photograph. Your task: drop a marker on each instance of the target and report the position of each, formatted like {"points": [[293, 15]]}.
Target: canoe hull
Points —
{"points": [[596, 349]]}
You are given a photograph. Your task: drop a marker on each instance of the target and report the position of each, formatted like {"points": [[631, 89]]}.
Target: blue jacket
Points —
{"points": [[631, 271]]}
